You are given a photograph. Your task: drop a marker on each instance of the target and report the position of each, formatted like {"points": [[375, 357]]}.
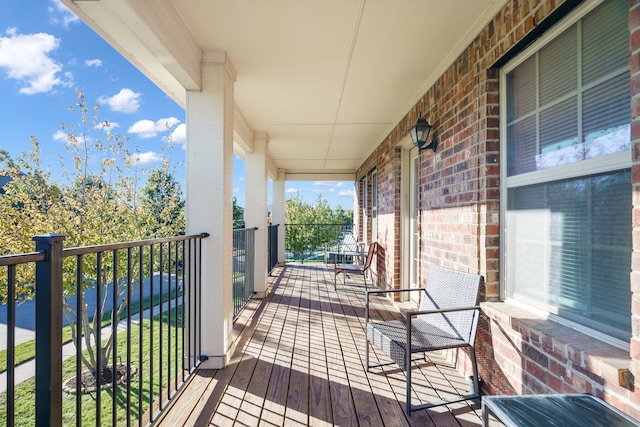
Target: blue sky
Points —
{"points": [[47, 54]]}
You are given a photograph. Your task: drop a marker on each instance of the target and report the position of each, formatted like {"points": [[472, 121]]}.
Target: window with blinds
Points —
{"points": [[566, 121]]}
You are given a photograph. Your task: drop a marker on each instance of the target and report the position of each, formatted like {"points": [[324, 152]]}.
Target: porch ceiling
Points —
{"points": [[326, 80]]}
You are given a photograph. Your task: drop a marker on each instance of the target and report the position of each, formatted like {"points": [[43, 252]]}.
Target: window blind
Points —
{"points": [[568, 241]]}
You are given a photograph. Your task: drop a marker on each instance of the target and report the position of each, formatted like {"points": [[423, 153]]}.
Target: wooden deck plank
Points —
{"points": [[300, 360], [365, 403], [298, 391]]}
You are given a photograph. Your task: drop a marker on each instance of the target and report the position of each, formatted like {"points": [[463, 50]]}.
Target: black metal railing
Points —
{"points": [[243, 267], [273, 246], [312, 242], [132, 311]]}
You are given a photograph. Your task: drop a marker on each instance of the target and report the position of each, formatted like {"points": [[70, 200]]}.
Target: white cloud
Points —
{"points": [[323, 183], [60, 136], [93, 63], [241, 178], [292, 190], [148, 129], [146, 158], [346, 193], [323, 190], [64, 16], [125, 101], [143, 128], [179, 135], [25, 57], [236, 190]]}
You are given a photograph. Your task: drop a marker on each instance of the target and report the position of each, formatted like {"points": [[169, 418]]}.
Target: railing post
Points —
{"points": [[49, 331]]}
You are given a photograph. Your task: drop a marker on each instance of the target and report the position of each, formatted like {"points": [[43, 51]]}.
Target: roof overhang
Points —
{"points": [[326, 81]]}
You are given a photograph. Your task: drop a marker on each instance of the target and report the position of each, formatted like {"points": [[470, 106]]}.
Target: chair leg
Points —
{"points": [[476, 380], [407, 362], [366, 348]]}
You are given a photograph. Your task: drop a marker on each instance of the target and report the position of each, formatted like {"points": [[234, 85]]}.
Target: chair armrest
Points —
{"points": [[444, 310], [395, 291], [382, 291]]}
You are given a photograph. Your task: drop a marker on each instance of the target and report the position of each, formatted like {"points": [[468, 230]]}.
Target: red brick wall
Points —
{"points": [[460, 213]]}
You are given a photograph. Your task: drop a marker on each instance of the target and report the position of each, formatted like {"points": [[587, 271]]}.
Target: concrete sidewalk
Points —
{"points": [[28, 369], [22, 335]]}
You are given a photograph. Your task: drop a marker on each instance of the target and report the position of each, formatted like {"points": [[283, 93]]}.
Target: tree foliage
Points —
{"points": [[238, 214], [96, 200], [310, 227], [162, 201]]}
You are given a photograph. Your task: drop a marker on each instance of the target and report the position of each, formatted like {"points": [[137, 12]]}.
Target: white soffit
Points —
{"points": [[326, 80]]}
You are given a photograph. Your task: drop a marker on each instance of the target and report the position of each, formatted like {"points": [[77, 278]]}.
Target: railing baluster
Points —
{"points": [[115, 319], [186, 349], [141, 332], [151, 341], [128, 363], [175, 292], [169, 322], [198, 302], [79, 310], [160, 332], [11, 343], [97, 326]]}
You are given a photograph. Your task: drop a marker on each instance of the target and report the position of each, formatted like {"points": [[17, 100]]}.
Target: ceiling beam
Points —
{"points": [[151, 36]]}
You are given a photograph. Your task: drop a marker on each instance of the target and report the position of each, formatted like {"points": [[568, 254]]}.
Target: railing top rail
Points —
{"points": [[15, 259], [351, 224], [245, 229], [83, 250]]}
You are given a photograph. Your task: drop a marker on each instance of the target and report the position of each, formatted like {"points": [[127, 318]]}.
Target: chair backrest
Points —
{"points": [[349, 243], [447, 288], [373, 248]]}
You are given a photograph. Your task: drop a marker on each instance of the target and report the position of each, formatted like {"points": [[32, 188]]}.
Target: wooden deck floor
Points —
{"points": [[300, 361]]}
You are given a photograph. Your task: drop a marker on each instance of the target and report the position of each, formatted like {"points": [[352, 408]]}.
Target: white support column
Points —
{"points": [[278, 211], [256, 211], [209, 177]]}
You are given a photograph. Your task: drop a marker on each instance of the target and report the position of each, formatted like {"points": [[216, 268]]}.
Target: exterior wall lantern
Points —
{"points": [[420, 135]]}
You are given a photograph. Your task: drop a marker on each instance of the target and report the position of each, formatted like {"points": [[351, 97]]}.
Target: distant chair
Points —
{"points": [[349, 249], [447, 318], [360, 269]]}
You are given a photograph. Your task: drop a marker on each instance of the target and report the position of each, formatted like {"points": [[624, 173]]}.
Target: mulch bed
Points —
{"points": [[88, 379]]}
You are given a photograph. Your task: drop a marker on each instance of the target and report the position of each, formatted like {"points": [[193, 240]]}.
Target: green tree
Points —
{"points": [[96, 201], [310, 227], [163, 204], [238, 214]]}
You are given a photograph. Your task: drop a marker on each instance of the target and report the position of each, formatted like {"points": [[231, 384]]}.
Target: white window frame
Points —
{"points": [[610, 163]]}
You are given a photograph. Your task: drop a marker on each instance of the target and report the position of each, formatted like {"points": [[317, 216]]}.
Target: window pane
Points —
{"points": [[570, 132], [521, 82], [605, 40], [522, 148], [559, 135], [572, 245], [558, 67], [606, 112]]}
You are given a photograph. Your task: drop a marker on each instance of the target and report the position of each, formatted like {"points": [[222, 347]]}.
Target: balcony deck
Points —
{"points": [[300, 360]]}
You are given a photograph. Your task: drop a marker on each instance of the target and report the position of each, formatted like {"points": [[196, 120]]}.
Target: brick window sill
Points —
{"points": [[568, 347]]}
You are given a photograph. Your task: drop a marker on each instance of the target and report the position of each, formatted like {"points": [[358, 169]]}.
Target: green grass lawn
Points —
{"points": [[141, 391], [27, 350]]}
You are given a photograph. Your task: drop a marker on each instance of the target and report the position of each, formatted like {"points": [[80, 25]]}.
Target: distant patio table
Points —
{"points": [[562, 410]]}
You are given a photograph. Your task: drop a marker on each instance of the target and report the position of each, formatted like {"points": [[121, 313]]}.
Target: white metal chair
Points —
{"points": [[447, 318], [350, 248]]}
